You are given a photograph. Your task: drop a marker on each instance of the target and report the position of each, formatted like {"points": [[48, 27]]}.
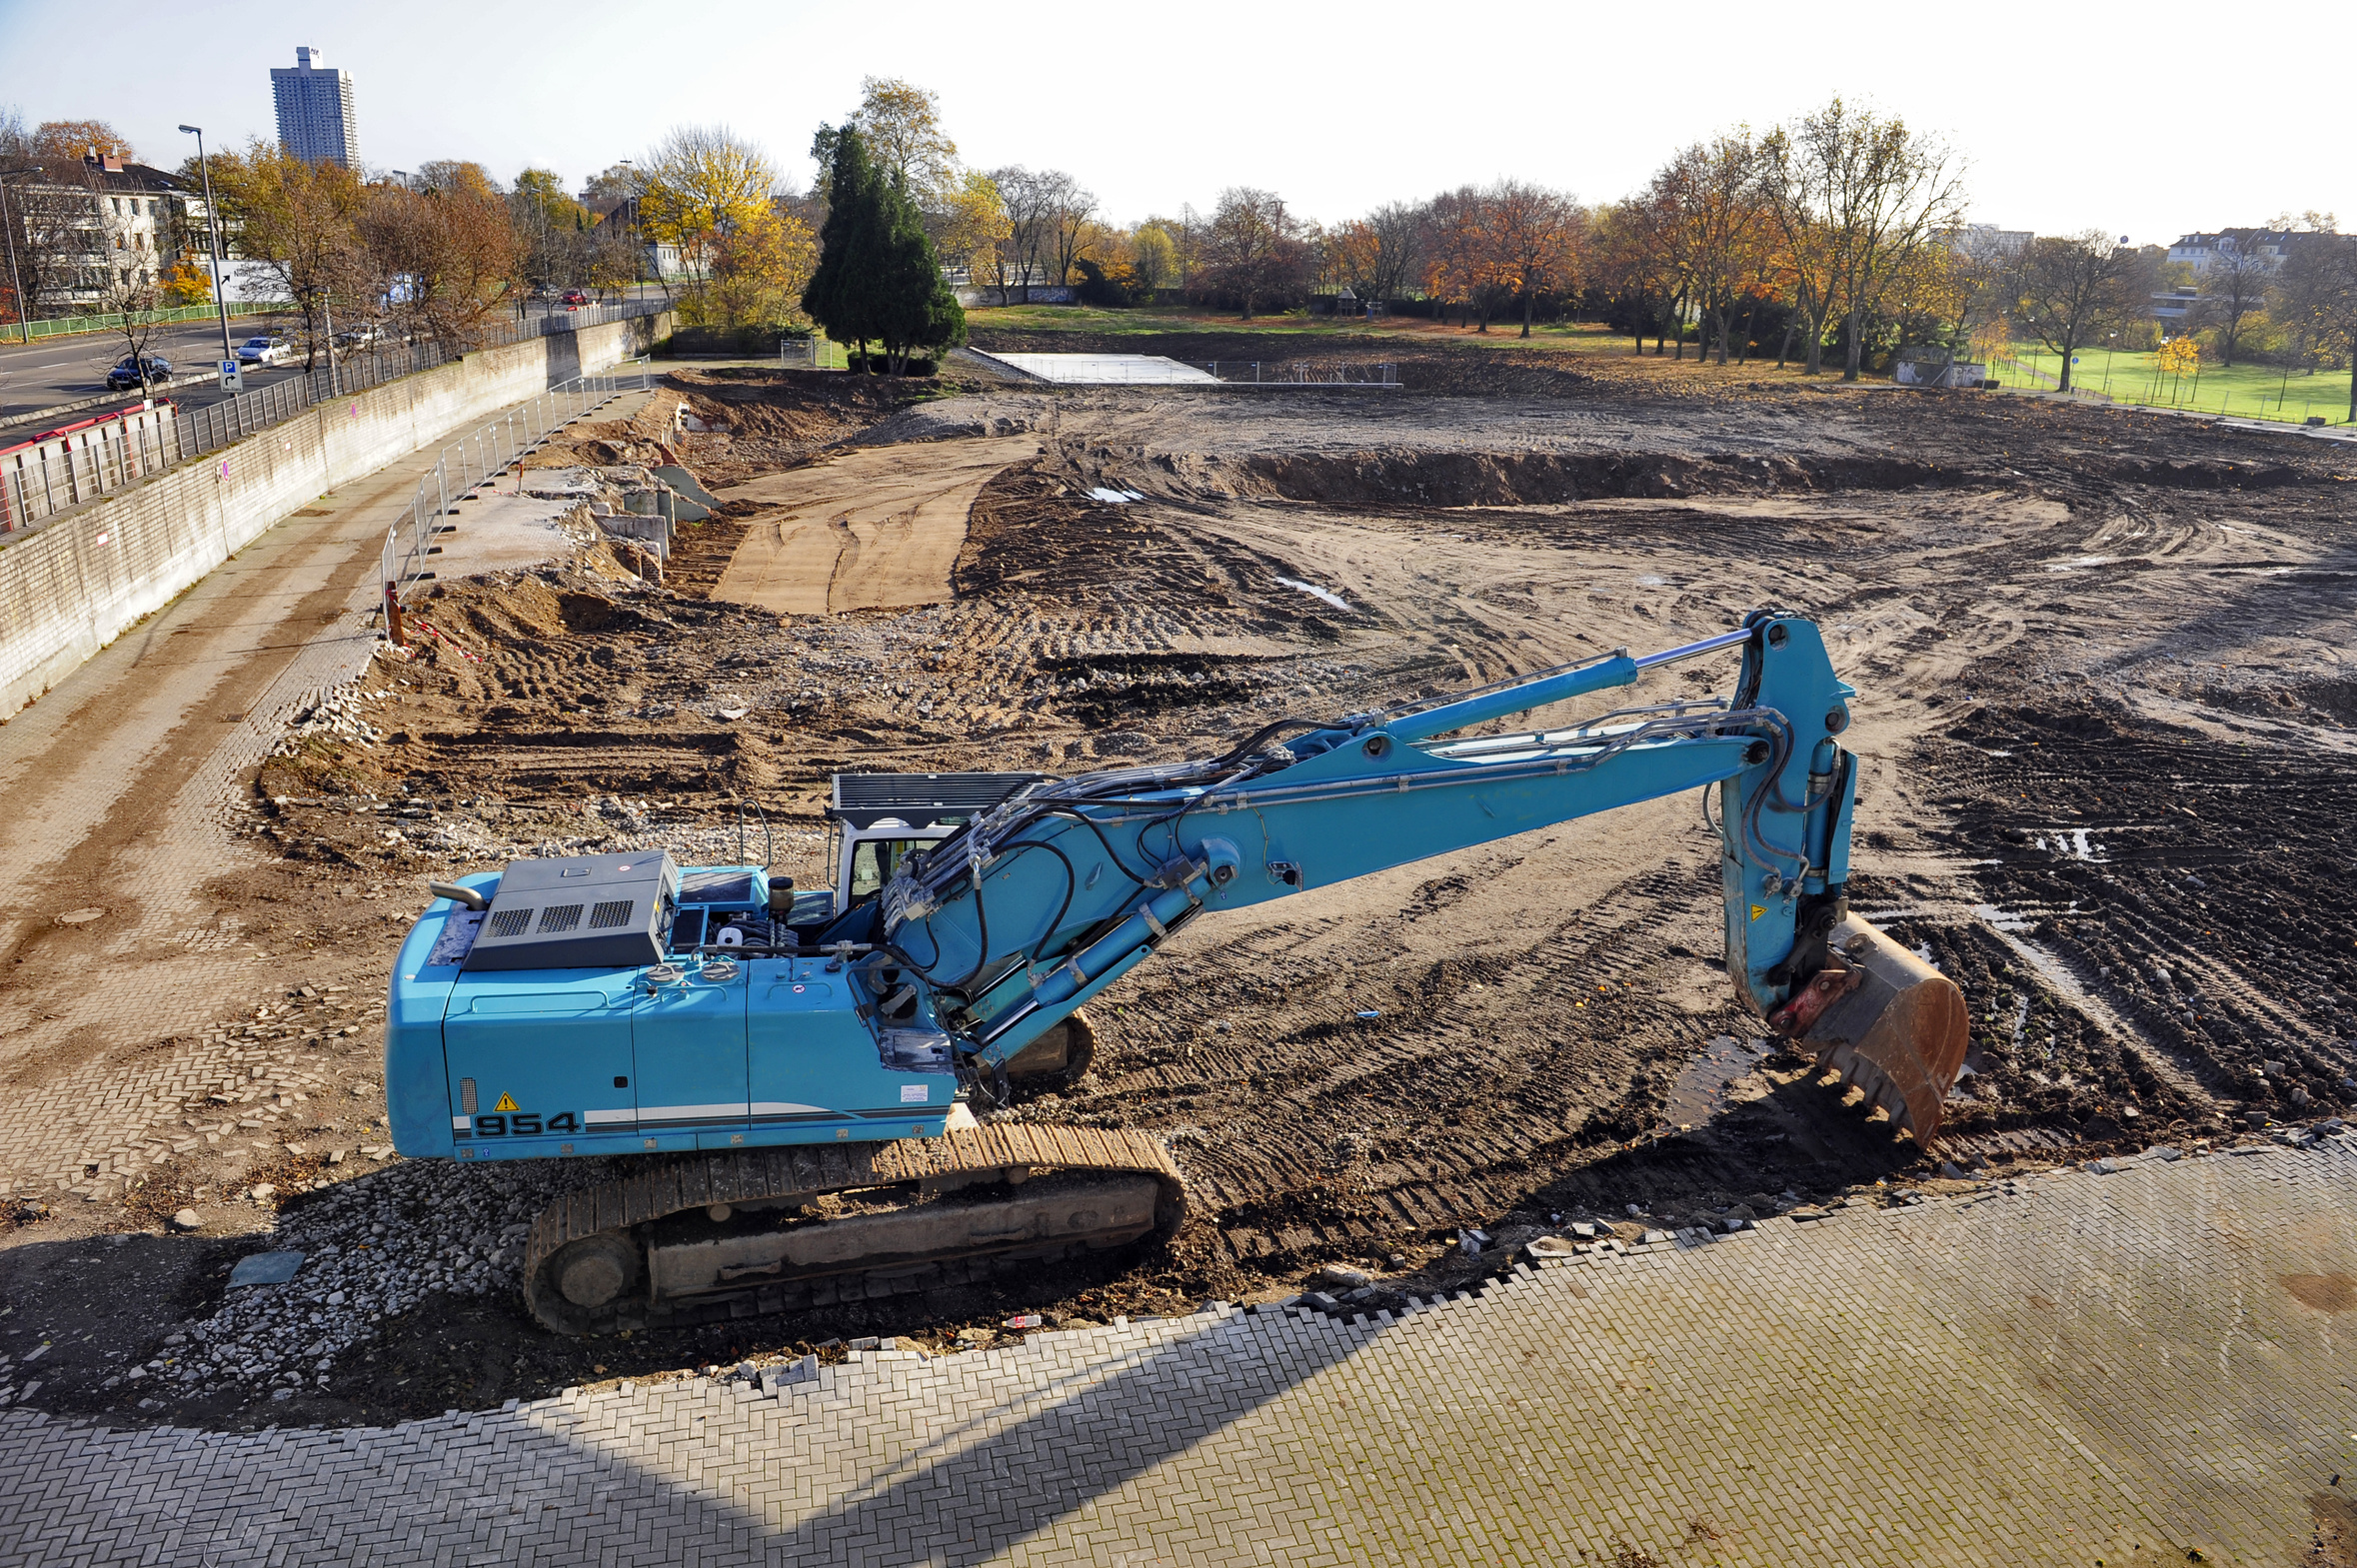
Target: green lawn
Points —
{"points": [[2247, 391]]}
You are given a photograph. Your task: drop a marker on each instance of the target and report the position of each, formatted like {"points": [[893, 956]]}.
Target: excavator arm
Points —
{"points": [[1031, 910]]}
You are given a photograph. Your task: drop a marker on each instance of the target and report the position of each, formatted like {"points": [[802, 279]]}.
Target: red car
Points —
{"points": [[575, 299]]}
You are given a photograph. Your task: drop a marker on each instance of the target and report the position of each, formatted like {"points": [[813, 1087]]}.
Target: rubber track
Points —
{"points": [[814, 1171]]}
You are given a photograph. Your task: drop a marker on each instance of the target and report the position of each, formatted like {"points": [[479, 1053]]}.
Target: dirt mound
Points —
{"points": [[1521, 478], [763, 420]]}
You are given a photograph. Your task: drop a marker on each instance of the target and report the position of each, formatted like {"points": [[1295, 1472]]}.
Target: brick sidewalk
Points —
{"points": [[2129, 1367]]}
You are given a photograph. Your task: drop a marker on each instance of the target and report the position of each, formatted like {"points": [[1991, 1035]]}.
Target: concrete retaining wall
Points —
{"points": [[68, 590]]}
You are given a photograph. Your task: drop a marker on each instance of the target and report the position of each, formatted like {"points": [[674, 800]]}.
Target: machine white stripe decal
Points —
{"points": [[787, 1107], [738, 1111], [594, 1117], [461, 1123]]}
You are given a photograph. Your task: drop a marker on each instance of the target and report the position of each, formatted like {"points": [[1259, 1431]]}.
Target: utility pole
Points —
{"points": [[213, 228]]}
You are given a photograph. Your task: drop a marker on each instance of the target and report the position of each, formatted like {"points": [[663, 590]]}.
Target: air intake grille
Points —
{"points": [[592, 912]]}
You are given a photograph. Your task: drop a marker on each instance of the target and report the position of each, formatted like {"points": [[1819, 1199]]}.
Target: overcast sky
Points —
{"points": [[2122, 118]]}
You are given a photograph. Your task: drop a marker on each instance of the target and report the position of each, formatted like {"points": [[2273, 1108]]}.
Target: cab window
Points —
{"points": [[875, 862]]}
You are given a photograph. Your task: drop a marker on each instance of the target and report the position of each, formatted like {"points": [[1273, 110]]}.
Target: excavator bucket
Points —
{"points": [[1887, 1022]]}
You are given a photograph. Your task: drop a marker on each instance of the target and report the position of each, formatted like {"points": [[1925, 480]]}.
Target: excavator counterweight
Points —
{"points": [[801, 1070]]}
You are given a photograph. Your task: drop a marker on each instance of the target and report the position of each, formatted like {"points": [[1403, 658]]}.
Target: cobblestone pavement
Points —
{"points": [[2130, 1367], [124, 790]]}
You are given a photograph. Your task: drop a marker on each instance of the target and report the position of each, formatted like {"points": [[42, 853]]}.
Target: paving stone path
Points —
{"points": [[2131, 1367]]}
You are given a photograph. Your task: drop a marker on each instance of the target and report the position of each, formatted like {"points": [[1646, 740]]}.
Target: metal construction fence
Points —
{"points": [[467, 466], [1304, 373], [45, 478]]}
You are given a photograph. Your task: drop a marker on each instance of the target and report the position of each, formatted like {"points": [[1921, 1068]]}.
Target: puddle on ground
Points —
{"points": [[1315, 591], [1701, 1091], [2073, 842]]}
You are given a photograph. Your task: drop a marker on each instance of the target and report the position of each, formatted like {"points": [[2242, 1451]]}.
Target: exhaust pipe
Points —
{"points": [[458, 895]]}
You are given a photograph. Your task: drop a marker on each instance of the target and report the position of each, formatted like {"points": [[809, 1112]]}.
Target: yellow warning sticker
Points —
{"points": [[508, 1102], [1757, 910]]}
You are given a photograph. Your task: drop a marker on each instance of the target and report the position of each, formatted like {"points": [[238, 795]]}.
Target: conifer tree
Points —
{"points": [[838, 296], [877, 280]]}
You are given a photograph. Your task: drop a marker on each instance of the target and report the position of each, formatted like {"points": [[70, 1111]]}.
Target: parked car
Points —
{"points": [[262, 351], [126, 375], [356, 337], [575, 299]]}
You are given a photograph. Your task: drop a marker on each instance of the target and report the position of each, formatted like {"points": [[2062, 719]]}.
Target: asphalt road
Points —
{"points": [[51, 371]]}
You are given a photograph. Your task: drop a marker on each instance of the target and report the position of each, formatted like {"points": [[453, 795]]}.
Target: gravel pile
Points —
{"points": [[371, 1250]]}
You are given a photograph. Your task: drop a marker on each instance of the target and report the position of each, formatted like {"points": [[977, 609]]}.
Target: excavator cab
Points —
{"points": [[875, 860]]}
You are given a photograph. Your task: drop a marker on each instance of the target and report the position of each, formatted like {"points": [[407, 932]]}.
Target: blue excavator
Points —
{"points": [[784, 1083]]}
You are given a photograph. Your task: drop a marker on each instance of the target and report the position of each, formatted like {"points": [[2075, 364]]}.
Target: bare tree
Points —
{"points": [[1070, 212], [1856, 196], [1253, 249], [130, 295], [1379, 255], [2077, 286], [1398, 229], [2234, 292], [1030, 202]]}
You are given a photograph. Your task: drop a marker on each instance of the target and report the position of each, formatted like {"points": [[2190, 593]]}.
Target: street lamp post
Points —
{"points": [[638, 234], [24, 323], [213, 228]]}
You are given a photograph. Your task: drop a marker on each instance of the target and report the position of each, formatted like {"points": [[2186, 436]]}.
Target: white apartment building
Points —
{"points": [[90, 225]]}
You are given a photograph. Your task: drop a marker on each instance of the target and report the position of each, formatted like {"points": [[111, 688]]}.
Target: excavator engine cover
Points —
{"points": [[1887, 1022]]}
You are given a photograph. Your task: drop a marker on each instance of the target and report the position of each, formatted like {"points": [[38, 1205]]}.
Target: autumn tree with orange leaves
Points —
{"points": [[1532, 235], [1715, 226]]}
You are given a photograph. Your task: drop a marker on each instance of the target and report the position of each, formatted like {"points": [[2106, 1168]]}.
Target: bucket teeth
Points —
{"points": [[1899, 1035]]}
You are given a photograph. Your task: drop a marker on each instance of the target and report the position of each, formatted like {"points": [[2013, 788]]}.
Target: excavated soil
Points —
{"points": [[2103, 719]]}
